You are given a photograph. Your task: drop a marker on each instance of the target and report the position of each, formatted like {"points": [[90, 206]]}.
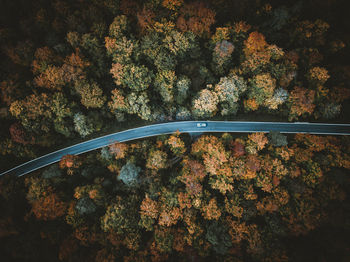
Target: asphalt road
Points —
{"points": [[183, 127]]}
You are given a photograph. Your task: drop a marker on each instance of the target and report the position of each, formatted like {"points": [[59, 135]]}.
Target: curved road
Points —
{"points": [[183, 127]]}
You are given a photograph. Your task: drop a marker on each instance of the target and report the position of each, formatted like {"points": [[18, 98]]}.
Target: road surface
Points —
{"points": [[182, 127]]}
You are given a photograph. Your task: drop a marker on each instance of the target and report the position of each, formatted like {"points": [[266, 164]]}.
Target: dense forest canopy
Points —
{"points": [[76, 69]]}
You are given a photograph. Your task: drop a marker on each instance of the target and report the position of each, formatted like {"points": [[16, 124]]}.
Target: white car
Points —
{"points": [[201, 124]]}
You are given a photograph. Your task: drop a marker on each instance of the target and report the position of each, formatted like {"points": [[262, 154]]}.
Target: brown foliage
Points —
{"points": [[169, 216], [195, 17], [254, 43], [177, 146], [211, 210], [179, 241], [119, 150], [157, 160], [238, 148], [85, 235], [302, 101], [145, 19], [18, 134], [51, 78], [70, 161], [149, 208], [42, 57], [192, 174], [256, 142], [49, 207], [184, 200], [117, 72]]}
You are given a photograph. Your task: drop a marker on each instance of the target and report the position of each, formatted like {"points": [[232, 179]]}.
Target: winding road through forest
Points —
{"points": [[182, 127]]}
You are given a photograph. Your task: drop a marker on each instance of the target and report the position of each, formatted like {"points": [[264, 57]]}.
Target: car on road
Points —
{"points": [[201, 124]]}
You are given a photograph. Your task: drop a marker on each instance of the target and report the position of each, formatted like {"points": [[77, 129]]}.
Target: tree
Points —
{"points": [[205, 104], [256, 53], [217, 235], [9, 91], [121, 216], [70, 162], [19, 135], [74, 67], [177, 146], [51, 78], [38, 113], [262, 89], [145, 19], [195, 17], [91, 94], [164, 83], [149, 211], [331, 110], [222, 56], [192, 174], [49, 207], [183, 84], [182, 113], [121, 49], [302, 102], [238, 148], [119, 150], [277, 139], [307, 32], [129, 174], [180, 44], [82, 126], [256, 142], [255, 43], [118, 104], [37, 189], [173, 5], [43, 57], [229, 90], [137, 78], [119, 26], [157, 159], [211, 211], [85, 206], [34, 112], [318, 75], [138, 104], [279, 97]]}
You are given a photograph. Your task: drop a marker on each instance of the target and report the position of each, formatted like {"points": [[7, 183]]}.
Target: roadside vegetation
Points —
{"points": [[171, 198]]}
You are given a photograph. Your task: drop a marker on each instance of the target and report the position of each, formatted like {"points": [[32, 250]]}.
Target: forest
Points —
{"points": [[72, 70]]}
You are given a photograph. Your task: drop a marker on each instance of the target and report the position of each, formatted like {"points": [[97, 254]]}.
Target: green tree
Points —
{"points": [[217, 235], [91, 94], [183, 84], [82, 126], [138, 104], [129, 174], [121, 216], [164, 83]]}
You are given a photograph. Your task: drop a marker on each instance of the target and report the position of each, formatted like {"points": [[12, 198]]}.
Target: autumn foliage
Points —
{"points": [[196, 17], [71, 70]]}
